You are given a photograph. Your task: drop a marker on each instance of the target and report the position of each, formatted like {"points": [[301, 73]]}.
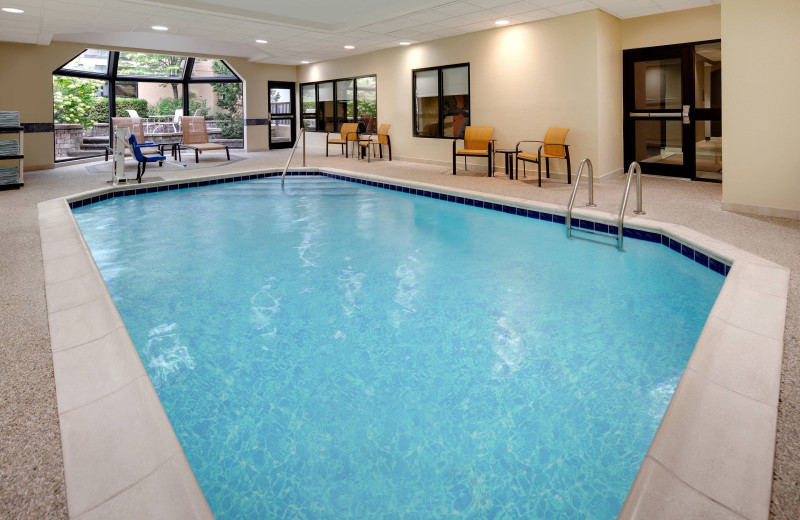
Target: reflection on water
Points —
{"points": [[351, 283], [405, 293], [508, 347], [164, 355], [265, 306]]}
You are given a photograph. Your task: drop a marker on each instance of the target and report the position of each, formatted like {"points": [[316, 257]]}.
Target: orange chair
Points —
{"points": [[195, 136], [552, 147], [478, 142], [348, 134], [381, 138]]}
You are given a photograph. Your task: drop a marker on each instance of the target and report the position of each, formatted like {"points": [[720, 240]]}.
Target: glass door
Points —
{"points": [[673, 110], [708, 111], [281, 114], [658, 99]]}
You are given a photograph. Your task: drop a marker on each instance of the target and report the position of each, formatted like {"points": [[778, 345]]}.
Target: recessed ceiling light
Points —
{"points": [[262, 41], [304, 62], [404, 43], [13, 10], [159, 28], [349, 46], [502, 22]]}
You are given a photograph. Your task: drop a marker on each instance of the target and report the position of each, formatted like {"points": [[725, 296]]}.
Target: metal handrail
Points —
{"points": [[590, 204], [303, 135], [633, 168]]}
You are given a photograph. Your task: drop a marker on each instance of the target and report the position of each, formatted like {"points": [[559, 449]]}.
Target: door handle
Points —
{"points": [[685, 114]]}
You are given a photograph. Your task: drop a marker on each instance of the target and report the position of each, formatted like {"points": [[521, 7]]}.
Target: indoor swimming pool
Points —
{"points": [[337, 350]]}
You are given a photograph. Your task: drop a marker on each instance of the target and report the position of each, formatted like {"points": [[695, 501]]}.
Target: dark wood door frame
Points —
{"points": [[291, 116]]}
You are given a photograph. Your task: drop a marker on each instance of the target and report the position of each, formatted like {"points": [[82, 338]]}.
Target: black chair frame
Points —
{"points": [[538, 160]]}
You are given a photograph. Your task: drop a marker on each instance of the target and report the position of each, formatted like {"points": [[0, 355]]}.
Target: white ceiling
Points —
{"points": [[296, 30]]}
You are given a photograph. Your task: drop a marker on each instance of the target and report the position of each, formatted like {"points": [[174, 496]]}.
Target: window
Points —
{"points": [[441, 101], [97, 85], [308, 94], [142, 65], [329, 104]]}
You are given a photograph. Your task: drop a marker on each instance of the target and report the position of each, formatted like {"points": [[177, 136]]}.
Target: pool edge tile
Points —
{"points": [[719, 442], [674, 499]]}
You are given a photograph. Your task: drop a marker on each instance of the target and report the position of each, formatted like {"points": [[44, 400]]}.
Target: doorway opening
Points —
{"points": [[281, 114], [673, 110]]}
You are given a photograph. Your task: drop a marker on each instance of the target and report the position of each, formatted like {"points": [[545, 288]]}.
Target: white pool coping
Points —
{"points": [[711, 457]]}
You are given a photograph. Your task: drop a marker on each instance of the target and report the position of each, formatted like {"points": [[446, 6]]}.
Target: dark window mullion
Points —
{"points": [[187, 69]]}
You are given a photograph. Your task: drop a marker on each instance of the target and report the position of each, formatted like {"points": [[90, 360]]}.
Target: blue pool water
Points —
{"points": [[342, 351]]}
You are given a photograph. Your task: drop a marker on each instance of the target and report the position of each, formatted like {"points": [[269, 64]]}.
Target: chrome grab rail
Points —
{"points": [[303, 135], [633, 168], [571, 203]]}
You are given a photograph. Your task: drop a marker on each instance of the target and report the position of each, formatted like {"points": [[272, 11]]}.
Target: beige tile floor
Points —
{"points": [[31, 470]]}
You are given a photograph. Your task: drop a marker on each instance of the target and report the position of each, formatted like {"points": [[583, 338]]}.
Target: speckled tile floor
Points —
{"points": [[31, 463]]}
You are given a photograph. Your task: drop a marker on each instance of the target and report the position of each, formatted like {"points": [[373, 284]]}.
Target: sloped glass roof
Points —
{"points": [[150, 67], [90, 60], [142, 65], [208, 68]]}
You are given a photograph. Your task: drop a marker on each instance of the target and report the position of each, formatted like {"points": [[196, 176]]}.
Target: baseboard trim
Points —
{"points": [[762, 211]]}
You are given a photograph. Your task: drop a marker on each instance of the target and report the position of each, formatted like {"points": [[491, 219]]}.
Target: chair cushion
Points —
{"points": [[337, 141], [206, 146], [534, 157], [467, 151]]}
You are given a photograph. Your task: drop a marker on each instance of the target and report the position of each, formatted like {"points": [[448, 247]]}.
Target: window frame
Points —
{"points": [[112, 76], [337, 124], [440, 86]]}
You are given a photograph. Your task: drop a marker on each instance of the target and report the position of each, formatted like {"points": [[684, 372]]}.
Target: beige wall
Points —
{"points": [[690, 25], [760, 128], [523, 79], [609, 94], [26, 86]]}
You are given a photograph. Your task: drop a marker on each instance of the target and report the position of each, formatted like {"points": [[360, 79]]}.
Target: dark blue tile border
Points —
{"points": [[638, 234]]}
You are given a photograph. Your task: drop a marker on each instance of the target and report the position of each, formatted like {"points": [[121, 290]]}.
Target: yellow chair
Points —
{"points": [[478, 142], [381, 138], [195, 136], [552, 147], [348, 134]]}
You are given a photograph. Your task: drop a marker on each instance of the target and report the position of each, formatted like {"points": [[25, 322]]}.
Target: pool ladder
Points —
{"points": [[634, 168], [303, 135]]}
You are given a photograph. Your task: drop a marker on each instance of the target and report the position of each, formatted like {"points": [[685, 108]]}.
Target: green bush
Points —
{"points": [[73, 99], [168, 105], [231, 125], [99, 110], [125, 104]]}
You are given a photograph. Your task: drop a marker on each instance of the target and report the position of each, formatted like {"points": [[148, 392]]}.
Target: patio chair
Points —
{"points": [[478, 142], [176, 120], [133, 113], [380, 139], [142, 159], [195, 136], [552, 147], [348, 134], [134, 125]]}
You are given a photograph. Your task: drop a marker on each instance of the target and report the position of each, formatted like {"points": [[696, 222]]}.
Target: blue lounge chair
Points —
{"points": [[143, 159]]}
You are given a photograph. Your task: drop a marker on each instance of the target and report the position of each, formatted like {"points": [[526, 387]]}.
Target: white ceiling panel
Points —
{"points": [[491, 4], [515, 8], [429, 16], [533, 16], [458, 8]]}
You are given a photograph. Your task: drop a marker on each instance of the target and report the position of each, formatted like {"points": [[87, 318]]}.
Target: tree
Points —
{"points": [[229, 99], [152, 65]]}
